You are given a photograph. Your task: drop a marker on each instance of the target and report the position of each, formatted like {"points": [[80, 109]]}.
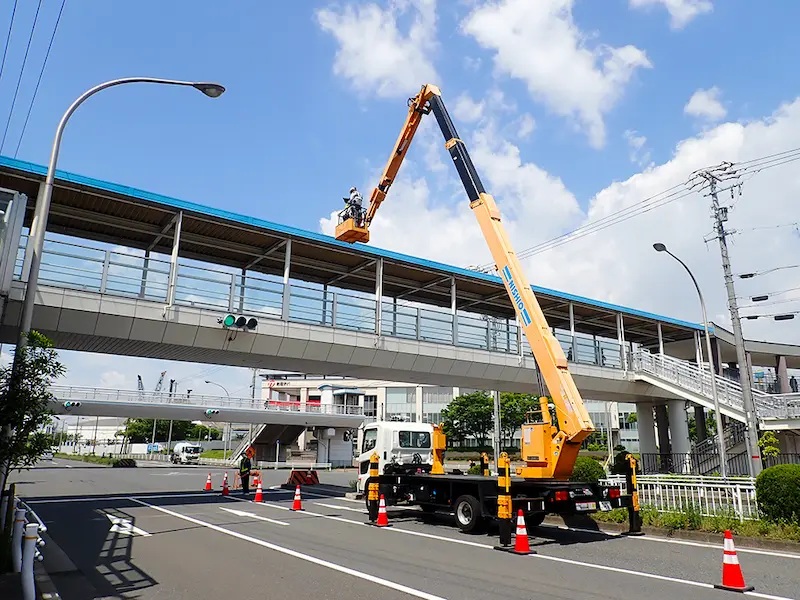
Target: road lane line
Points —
{"points": [[243, 513], [358, 510], [306, 557], [648, 538], [108, 498], [545, 557]]}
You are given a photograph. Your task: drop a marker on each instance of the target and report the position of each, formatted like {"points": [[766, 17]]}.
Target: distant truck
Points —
{"points": [[406, 458], [185, 453]]}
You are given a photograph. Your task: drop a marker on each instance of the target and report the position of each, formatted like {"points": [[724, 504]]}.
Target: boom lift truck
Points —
{"points": [[549, 445]]}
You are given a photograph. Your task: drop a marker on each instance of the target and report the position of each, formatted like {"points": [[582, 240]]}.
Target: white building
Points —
{"points": [[397, 401]]}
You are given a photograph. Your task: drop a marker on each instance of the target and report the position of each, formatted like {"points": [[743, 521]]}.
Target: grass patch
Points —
{"points": [[216, 454], [89, 458], [693, 520]]}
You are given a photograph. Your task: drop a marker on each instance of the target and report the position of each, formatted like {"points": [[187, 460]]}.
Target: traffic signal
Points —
{"points": [[71, 404], [241, 322], [211, 411]]}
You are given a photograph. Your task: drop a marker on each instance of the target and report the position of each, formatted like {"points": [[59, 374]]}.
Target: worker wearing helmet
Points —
{"points": [[354, 205]]}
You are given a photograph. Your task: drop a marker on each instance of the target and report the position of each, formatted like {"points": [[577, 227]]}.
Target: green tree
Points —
{"points": [[513, 408], [25, 405], [469, 415], [141, 431], [769, 444]]}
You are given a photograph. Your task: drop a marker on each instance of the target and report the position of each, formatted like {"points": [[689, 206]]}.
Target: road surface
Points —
{"points": [[153, 533]]}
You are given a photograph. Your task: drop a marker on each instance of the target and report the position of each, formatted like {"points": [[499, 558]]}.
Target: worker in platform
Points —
{"points": [[354, 205], [244, 472]]}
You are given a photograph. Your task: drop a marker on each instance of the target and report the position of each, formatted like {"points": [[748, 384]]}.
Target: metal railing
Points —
{"points": [[709, 496], [25, 544], [229, 462], [79, 393], [693, 463]]}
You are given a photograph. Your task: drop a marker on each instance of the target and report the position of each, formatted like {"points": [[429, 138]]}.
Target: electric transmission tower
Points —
{"points": [[721, 178]]}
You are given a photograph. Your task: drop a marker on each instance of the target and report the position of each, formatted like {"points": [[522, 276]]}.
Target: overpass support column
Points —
{"points": [[574, 353], [660, 339], [623, 354], [698, 350], [782, 375], [173, 260], [453, 310], [646, 427], [379, 297], [700, 422], [662, 424], [287, 268], [679, 436]]}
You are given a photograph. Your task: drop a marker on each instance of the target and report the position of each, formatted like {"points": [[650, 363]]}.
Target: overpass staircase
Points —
{"points": [[693, 383], [705, 453]]}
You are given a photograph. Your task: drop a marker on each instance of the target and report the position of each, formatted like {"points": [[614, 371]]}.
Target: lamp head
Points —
{"points": [[659, 247], [212, 90]]}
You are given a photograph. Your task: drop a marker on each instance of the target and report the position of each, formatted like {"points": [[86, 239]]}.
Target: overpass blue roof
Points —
{"points": [[124, 190]]}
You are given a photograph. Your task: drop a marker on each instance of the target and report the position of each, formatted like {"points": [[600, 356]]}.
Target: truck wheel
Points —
{"points": [[467, 510], [534, 519]]}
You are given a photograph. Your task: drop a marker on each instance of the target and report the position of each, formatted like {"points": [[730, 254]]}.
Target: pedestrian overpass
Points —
{"points": [[129, 272]]}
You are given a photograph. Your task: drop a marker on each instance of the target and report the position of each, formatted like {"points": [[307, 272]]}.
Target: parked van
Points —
{"points": [[185, 453]]}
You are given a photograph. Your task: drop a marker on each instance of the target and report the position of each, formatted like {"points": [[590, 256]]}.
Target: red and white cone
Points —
{"points": [[383, 517], [225, 484], [297, 505], [259, 494], [732, 577], [208, 484], [521, 544]]}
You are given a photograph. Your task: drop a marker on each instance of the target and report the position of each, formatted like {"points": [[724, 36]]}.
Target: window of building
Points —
{"points": [[370, 406], [401, 404], [434, 400]]}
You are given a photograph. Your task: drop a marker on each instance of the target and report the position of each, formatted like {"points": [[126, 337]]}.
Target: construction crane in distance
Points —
{"points": [[157, 389]]}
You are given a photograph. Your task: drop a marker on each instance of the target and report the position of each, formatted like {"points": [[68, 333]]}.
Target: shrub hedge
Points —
{"points": [[778, 493], [588, 470]]}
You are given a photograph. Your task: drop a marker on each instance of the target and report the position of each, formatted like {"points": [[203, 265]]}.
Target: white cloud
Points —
{"points": [[539, 43], [638, 153], [466, 109], [526, 126], [680, 11], [472, 64], [375, 55], [706, 105]]}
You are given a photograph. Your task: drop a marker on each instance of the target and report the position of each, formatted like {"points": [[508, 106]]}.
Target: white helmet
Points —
{"points": [[353, 189]]}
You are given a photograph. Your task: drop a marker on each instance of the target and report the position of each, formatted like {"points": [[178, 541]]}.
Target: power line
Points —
{"points": [[39, 80], [776, 293], [21, 71], [748, 167], [765, 272], [8, 38], [762, 304]]}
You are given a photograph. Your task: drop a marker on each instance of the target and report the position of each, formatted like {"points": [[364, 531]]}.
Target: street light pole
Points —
{"points": [[39, 225], [224, 441], [723, 459]]}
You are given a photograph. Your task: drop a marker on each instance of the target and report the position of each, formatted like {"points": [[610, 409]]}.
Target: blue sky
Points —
{"points": [[316, 96]]}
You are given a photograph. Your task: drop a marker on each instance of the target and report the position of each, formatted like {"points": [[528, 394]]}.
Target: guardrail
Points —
{"points": [[223, 462], [25, 544], [80, 393], [710, 496]]}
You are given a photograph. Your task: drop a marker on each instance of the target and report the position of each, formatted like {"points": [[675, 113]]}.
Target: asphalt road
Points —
{"points": [[151, 533]]}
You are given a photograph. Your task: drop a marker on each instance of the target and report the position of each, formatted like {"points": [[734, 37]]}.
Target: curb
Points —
{"points": [[691, 535]]}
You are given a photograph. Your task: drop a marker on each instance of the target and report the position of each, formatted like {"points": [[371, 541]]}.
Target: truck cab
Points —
{"points": [[402, 447]]}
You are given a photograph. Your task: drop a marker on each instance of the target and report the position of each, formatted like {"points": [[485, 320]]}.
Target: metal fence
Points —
{"points": [[229, 462], [710, 496]]}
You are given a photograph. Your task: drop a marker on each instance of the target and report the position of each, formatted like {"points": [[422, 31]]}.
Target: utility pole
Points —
{"points": [[720, 215]]}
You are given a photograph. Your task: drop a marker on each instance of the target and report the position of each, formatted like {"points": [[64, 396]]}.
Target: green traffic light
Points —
{"points": [[229, 321]]}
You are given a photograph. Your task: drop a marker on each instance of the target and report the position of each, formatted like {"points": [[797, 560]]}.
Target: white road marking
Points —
{"points": [[125, 526], [544, 557], [649, 538], [306, 557], [104, 499], [243, 513]]}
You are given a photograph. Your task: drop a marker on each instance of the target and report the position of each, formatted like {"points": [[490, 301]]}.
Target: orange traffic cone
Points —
{"points": [[296, 505], [208, 484], [732, 577], [521, 544], [259, 494], [225, 484], [383, 517]]}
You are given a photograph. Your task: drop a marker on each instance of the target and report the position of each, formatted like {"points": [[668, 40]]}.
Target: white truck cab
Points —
{"points": [[185, 453], [401, 447]]}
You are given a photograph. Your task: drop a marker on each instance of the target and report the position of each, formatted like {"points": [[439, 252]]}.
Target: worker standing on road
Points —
{"points": [[244, 473]]}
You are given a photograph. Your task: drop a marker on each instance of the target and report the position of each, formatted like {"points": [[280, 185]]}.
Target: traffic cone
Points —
{"points": [[208, 484], [225, 484], [383, 518], [296, 505], [521, 544], [259, 494], [732, 577]]}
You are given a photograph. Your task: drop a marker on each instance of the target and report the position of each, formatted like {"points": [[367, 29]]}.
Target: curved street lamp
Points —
{"points": [[723, 459], [224, 441], [39, 225]]}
